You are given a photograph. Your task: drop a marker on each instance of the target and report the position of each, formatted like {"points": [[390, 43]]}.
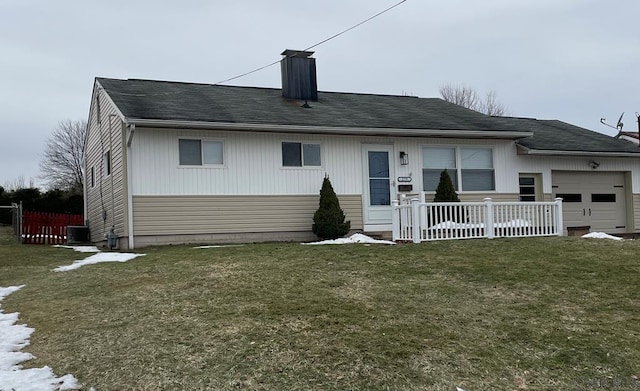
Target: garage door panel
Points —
{"points": [[596, 199]]}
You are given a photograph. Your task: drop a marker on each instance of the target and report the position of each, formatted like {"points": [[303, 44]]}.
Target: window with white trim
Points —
{"points": [[106, 163], [93, 177], [196, 152], [470, 168], [301, 154]]}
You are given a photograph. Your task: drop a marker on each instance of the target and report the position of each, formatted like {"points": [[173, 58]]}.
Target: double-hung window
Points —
{"points": [[193, 152], [477, 169], [434, 161], [470, 168], [301, 154]]}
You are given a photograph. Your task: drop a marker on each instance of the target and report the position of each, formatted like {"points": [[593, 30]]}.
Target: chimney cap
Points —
{"points": [[297, 53]]}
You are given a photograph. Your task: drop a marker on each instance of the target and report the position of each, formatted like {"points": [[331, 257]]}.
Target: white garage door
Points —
{"points": [[596, 199]]}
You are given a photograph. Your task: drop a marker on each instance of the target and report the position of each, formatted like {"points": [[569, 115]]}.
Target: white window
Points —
{"points": [[470, 169], [477, 169], [194, 152], [93, 177], [434, 161], [300, 154], [106, 163]]}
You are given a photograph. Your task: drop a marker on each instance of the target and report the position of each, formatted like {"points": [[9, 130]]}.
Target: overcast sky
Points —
{"points": [[572, 60]]}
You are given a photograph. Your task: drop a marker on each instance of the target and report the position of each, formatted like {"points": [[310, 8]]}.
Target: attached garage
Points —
{"points": [[594, 199]]}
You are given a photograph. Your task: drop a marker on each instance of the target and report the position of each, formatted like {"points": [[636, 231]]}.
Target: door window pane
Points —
{"points": [[379, 192], [603, 197], [566, 197], [378, 164]]}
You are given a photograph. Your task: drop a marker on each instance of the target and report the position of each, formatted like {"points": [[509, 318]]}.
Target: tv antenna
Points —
{"points": [[618, 126]]}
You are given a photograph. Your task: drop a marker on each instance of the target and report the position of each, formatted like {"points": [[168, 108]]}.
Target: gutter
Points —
{"points": [[522, 150], [498, 134]]}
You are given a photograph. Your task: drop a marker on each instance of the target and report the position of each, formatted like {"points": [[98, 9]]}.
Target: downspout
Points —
{"points": [[127, 149]]}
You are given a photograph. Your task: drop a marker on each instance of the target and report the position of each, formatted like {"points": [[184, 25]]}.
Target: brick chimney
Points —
{"points": [[299, 75]]}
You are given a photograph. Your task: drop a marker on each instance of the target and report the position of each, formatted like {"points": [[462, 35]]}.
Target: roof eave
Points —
{"points": [[275, 128], [522, 150]]}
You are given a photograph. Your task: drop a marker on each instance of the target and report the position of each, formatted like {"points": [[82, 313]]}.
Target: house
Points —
{"points": [[169, 162]]}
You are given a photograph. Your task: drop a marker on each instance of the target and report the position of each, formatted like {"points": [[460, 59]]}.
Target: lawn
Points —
{"points": [[508, 314]]}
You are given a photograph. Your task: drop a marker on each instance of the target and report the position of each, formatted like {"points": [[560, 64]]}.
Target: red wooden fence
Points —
{"points": [[47, 228]]}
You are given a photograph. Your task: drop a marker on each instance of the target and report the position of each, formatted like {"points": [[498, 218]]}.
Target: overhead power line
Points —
{"points": [[317, 44]]}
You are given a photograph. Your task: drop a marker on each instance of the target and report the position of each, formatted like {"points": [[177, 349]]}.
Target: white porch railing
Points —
{"points": [[415, 220]]}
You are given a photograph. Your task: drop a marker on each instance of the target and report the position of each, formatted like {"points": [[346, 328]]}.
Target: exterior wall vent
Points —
{"points": [[299, 75]]}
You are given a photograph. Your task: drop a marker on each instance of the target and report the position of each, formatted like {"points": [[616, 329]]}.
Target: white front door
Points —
{"points": [[379, 186]]}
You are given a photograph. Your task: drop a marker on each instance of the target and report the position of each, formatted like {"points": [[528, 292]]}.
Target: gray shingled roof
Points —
{"points": [[554, 135], [159, 100], [175, 101]]}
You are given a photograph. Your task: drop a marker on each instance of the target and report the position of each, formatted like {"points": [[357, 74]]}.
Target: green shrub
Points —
{"points": [[328, 221], [445, 192]]}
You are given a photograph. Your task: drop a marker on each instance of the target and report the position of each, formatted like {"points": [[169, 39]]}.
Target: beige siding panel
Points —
{"points": [[636, 212], [108, 195], [181, 215], [495, 197]]}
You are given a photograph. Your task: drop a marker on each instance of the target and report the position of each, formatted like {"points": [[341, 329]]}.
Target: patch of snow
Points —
{"points": [[516, 223], [218, 246], [81, 249], [600, 235], [14, 338], [98, 258], [355, 238], [459, 389]]}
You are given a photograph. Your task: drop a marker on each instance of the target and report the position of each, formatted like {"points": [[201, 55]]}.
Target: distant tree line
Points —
{"points": [[54, 201]]}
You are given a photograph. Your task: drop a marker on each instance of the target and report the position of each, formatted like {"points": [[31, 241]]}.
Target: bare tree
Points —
{"points": [[18, 184], [492, 107], [61, 163], [468, 97]]}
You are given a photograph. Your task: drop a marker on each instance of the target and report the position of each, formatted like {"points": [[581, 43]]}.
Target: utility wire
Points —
{"points": [[317, 44]]}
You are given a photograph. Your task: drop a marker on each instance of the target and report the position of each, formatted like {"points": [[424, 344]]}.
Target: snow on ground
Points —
{"points": [[81, 249], [600, 235], [98, 258], [355, 238], [13, 338]]}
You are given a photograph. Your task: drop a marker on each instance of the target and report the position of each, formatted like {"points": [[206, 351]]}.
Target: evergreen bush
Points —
{"points": [[328, 221], [445, 192]]}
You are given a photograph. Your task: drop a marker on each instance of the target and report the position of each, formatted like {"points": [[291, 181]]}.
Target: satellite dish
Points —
{"points": [[619, 125]]}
